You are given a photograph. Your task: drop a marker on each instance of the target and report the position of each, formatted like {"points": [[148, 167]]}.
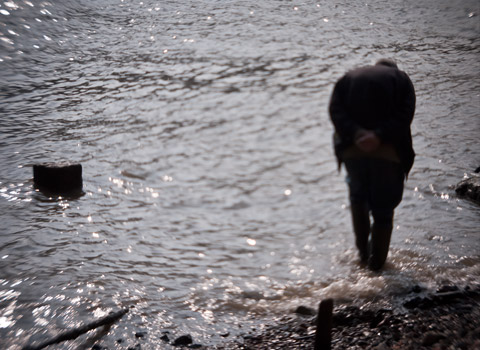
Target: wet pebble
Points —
{"points": [[183, 340], [98, 347], [416, 289], [431, 338], [382, 346], [305, 311], [140, 334], [447, 288]]}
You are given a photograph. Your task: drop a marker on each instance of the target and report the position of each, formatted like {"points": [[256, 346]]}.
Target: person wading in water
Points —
{"points": [[371, 109]]}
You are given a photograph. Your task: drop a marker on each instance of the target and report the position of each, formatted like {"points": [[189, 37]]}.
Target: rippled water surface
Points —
{"points": [[212, 198]]}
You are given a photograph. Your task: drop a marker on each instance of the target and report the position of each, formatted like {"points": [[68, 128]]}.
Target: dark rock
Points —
{"points": [[97, 347], [165, 338], [447, 288], [477, 170], [250, 337], [469, 188], [362, 343], [225, 334], [476, 332], [375, 321], [382, 346], [305, 311], [183, 340], [396, 335], [418, 302], [58, 178], [416, 289], [431, 338], [140, 334], [136, 347], [301, 327], [195, 346], [346, 316], [413, 303], [119, 341]]}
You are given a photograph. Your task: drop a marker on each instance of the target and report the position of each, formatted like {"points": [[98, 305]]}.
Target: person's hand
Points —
{"points": [[367, 141]]}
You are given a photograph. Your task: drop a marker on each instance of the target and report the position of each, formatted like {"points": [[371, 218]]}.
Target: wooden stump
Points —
{"points": [[58, 178], [323, 334]]}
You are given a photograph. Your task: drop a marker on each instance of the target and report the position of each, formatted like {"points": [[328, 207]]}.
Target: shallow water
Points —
{"points": [[212, 198]]}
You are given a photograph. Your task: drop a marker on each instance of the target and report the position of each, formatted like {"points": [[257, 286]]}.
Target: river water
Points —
{"points": [[212, 200]]}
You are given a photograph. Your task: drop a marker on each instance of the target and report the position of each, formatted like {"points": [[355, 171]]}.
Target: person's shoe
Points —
{"points": [[364, 255], [375, 265]]}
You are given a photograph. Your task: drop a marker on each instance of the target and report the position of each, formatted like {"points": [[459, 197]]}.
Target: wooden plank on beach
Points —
{"points": [[74, 333]]}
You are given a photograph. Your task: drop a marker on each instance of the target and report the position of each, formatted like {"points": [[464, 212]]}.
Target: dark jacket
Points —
{"points": [[378, 98]]}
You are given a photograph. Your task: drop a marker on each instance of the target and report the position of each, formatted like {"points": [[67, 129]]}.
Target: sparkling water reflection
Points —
{"points": [[212, 198]]}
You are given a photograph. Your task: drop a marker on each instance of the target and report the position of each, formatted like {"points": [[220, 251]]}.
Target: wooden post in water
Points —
{"points": [[58, 178], [323, 334]]}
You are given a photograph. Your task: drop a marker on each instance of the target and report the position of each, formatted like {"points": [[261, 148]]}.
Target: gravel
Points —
{"points": [[441, 320]]}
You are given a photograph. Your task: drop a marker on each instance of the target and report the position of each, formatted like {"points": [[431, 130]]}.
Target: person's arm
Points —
{"points": [[346, 128], [367, 140]]}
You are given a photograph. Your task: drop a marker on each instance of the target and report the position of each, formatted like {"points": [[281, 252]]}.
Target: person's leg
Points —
{"points": [[387, 190], [381, 234], [361, 228], [357, 181]]}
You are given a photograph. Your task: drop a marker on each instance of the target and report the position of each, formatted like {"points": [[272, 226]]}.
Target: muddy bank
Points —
{"points": [[443, 319]]}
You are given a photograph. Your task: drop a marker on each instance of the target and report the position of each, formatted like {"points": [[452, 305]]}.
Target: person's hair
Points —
{"points": [[387, 62]]}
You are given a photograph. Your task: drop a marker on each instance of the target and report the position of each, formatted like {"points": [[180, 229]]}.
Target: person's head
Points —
{"points": [[387, 62]]}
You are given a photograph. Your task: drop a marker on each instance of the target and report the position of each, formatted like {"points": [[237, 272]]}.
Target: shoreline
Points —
{"points": [[445, 319]]}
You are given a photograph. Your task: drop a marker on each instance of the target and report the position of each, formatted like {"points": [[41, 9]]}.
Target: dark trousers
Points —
{"points": [[376, 188]]}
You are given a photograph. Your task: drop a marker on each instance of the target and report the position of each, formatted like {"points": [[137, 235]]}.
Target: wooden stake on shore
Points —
{"points": [[74, 333], [323, 334]]}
